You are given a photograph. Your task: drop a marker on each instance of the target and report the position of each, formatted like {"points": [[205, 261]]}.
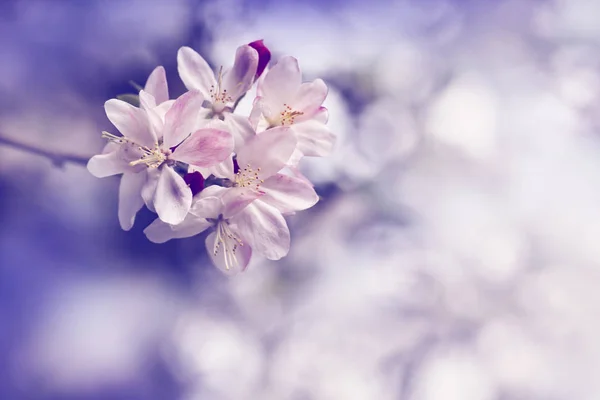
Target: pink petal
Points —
{"points": [[264, 56], [239, 260], [240, 78], [235, 199], [157, 86], [205, 148], [195, 72], [160, 232], [288, 194], [264, 228], [269, 151], [322, 115], [314, 138], [181, 118], [309, 98], [173, 198], [131, 121], [282, 82], [130, 198]]}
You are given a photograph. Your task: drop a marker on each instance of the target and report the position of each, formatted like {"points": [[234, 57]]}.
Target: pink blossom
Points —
{"points": [[150, 148], [223, 90], [238, 228], [285, 101]]}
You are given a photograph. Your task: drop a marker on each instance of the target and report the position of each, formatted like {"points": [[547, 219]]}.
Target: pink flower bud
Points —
{"points": [[264, 56]]}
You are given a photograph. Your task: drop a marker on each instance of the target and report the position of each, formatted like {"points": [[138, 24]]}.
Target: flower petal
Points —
{"points": [[148, 104], [223, 169], [207, 207], [205, 148], [103, 165], [157, 86], [195, 72], [147, 100], [149, 188], [240, 129], [181, 118], [235, 199], [288, 193], [240, 78], [228, 262], [322, 115], [282, 82], [131, 121], [173, 198], [130, 198], [264, 228], [159, 231], [314, 138], [269, 151], [309, 98]]}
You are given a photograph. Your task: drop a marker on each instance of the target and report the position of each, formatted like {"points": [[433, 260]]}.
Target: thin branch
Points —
{"points": [[58, 159]]}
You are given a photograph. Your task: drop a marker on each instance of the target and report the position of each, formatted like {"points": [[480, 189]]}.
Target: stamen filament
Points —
{"points": [[223, 237]]}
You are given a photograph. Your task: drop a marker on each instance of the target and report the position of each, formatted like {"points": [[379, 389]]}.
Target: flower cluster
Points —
{"points": [[198, 165]]}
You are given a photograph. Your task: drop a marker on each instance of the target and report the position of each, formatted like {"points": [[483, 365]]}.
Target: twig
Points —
{"points": [[58, 159]]}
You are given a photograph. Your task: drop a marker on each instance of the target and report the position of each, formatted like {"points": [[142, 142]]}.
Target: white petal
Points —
{"points": [[264, 228], [309, 98], [240, 128], [207, 207], [269, 151], [314, 138], [157, 86], [103, 165], [159, 231], [147, 101], [282, 82], [173, 198], [205, 148], [240, 78], [181, 118], [149, 188], [223, 169], [130, 198], [131, 121], [288, 193], [195, 72], [223, 257], [295, 158], [148, 104]]}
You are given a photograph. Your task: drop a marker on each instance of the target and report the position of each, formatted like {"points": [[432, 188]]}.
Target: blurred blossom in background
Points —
{"points": [[453, 256]]}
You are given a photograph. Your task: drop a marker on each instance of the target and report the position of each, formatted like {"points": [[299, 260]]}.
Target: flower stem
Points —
{"points": [[58, 159]]}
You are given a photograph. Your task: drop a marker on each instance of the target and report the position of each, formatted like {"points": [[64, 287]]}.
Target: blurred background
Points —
{"points": [[453, 256]]}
